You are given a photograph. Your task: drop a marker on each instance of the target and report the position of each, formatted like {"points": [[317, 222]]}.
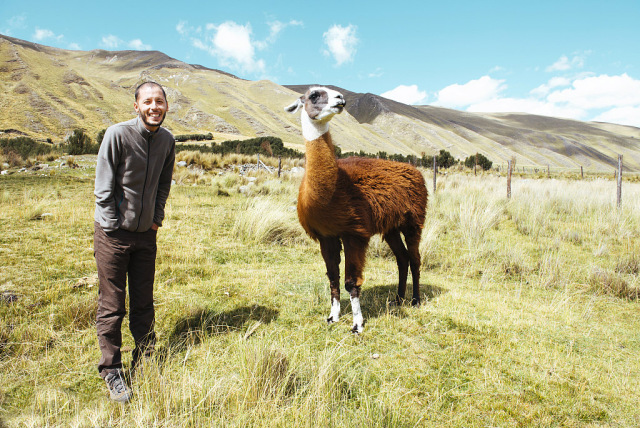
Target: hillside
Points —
{"points": [[533, 140], [47, 92]]}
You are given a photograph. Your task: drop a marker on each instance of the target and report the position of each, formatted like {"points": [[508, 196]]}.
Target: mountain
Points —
{"points": [[47, 92], [533, 140]]}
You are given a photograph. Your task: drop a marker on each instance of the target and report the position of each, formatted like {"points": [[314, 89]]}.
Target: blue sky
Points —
{"points": [[575, 59]]}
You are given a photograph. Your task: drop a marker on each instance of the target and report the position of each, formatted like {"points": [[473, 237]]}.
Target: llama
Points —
{"points": [[343, 203]]}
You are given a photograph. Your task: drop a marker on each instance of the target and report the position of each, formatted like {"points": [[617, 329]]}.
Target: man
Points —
{"points": [[133, 178]]}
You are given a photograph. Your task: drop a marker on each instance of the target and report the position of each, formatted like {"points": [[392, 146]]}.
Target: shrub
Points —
{"points": [[608, 283], [485, 163], [629, 265], [23, 147], [80, 143], [194, 137], [267, 146], [268, 222], [444, 159], [100, 136]]}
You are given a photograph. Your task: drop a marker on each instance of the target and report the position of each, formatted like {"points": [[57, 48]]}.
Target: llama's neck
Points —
{"points": [[321, 170], [313, 129]]}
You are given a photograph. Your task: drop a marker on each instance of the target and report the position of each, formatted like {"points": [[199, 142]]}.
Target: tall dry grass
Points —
{"points": [[529, 316]]}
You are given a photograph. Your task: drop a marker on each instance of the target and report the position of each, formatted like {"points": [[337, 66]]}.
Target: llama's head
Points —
{"points": [[320, 103]]}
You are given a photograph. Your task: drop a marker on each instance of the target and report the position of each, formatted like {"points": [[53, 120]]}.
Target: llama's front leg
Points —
{"points": [[334, 315], [358, 320], [330, 248], [355, 250]]}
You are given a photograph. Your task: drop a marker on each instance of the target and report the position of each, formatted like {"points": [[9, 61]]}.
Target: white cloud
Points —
{"points": [[110, 41], [341, 43], [614, 99], [554, 82], [233, 46], [526, 105], [43, 34], [406, 94], [472, 92], [599, 92], [564, 63], [184, 29], [114, 42], [14, 23], [275, 28], [74, 47], [621, 115], [376, 73], [17, 21], [137, 44], [181, 28]]}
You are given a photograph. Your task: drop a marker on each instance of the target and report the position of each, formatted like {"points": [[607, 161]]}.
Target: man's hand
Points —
{"points": [[154, 226]]}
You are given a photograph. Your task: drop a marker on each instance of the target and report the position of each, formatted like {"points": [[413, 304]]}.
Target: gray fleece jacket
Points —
{"points": [[133, 176]]}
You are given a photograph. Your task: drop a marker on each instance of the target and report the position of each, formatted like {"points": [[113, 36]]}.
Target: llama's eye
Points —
{"points": [[314, 96]]}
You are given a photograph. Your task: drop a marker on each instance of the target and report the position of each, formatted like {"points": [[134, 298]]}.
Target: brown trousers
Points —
{"points": [[120, 254]]}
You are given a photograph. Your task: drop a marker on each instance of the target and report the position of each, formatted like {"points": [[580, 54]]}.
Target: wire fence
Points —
{"points": [[509, 170]]}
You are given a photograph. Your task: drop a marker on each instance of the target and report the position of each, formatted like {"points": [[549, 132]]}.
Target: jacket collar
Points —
{"points": [[143, 129]]}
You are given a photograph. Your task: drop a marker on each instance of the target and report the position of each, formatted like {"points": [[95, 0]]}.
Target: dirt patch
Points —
{"points": [[71, 76]]}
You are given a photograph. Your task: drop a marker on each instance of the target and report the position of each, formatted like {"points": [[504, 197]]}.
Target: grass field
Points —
{"points": [[530, 313]]}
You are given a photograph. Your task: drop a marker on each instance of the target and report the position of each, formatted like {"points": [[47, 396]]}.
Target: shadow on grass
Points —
{"points": [[191, 330], [381, 299]]}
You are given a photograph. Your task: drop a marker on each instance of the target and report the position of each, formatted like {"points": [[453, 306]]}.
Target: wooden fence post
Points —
{"points": [[509, 180], [619, 193], [548, 171], [475, 166], [581, 172], [279, 166], [435, 169]]}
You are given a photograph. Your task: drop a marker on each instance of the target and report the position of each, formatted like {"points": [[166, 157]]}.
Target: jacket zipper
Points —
{"points": [[144, 186]]}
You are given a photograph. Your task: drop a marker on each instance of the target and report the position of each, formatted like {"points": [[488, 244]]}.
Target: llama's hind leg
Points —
{"points": [[394, 240], [413, 245], [355, 251], [330, 248]]}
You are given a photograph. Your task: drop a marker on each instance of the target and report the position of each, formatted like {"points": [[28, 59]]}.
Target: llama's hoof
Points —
{"points": [[331, 320], [415, 302], [357, 329]]}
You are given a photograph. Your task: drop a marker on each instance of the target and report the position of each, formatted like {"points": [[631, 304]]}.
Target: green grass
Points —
{"points": [[529, 316]]}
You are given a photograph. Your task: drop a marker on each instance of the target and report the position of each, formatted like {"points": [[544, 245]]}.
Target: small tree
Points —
{"points": [[445, 159], [100, 136], [79, 143], [485, 163]]}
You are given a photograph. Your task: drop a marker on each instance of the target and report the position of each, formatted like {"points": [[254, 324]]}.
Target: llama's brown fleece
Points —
{"points": [[352, 200]]}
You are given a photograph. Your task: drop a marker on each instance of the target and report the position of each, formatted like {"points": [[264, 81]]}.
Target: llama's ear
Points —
{"points": [[295, 106]]}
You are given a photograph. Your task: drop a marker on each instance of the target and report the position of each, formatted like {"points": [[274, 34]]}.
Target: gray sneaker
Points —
{"points": [[118, 389]]}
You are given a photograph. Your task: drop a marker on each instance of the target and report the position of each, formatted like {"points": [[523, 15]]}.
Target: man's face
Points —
{"points": [[151, 106]]}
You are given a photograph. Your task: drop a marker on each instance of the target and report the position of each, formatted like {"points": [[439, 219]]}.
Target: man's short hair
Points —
{"points": [[149, 84]]}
